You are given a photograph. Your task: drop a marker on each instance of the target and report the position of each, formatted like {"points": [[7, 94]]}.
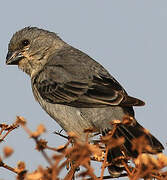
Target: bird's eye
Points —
{"points": [[25, 42]]}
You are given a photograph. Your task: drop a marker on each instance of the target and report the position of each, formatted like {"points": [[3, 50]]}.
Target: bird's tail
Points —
{"points": [[131, 146]]}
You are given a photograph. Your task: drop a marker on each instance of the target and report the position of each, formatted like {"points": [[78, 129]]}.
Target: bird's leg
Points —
{"points": [[60, 134]]}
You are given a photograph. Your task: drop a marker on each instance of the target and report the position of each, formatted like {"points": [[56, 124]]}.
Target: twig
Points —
{"points": [[36, 141], [110, 177], [46, 157], [8, 129], [104, 163], [127, 169], [3, 137], [2, 164]]}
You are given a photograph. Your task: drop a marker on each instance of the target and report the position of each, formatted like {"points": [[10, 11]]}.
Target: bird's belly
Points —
{"points": [[69, 118], [76, 120]]}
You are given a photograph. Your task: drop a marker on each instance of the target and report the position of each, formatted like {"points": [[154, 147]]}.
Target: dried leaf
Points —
{"points": [[34, 176], [21, 167], [128, 120], [141, 145], [20, 120], [41, 144], [162, 159], [7, 151], [40, 130], [72, 135]]}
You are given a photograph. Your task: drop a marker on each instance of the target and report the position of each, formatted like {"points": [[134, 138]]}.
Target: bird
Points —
{"points": [[77, 91]]}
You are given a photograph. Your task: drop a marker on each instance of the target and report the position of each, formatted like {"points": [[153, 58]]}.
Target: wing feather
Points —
{"points": [[80, 82]]}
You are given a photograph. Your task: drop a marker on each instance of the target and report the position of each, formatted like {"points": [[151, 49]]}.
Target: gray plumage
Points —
{"points": [[72, 88]]}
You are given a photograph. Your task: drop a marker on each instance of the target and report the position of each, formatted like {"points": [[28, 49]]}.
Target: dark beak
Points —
{"points": [[13, 58]]}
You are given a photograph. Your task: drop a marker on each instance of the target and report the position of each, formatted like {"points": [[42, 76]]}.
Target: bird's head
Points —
{"points": [[30, 47]]}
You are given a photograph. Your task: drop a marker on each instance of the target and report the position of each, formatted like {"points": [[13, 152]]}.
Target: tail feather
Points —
{"points": [[122, 131], [130, 133]]}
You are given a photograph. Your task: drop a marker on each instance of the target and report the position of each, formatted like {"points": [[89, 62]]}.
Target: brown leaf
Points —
{"points": [[72, 135], [20, 167], [141, 145], [20, 120], [98, 154], [112, 142], [90, 130], [162, 159], [41, 144], [128, 120], [34, 176], [7, 151], [40, 130]]}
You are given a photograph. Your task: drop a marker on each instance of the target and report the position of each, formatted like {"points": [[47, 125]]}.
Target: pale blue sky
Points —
{"points": [[129, 37]]}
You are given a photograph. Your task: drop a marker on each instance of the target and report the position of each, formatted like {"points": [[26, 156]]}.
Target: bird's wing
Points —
{"points": [[80, 83]]}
